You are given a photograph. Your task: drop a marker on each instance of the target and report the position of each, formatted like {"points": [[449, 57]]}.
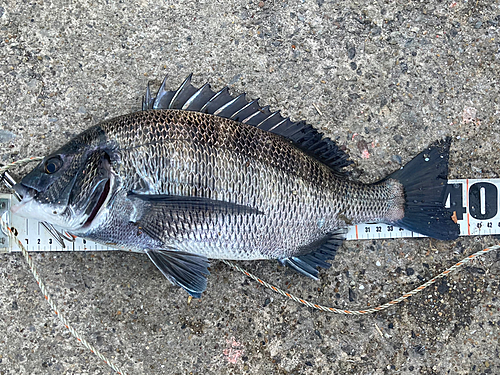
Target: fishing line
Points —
{"points": [[335, 310], [370, 310], [41, 285]]}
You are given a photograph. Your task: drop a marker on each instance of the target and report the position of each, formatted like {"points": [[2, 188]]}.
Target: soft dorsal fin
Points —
{"points": [[238, 108]]}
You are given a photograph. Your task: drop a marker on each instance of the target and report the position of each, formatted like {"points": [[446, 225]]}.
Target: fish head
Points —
{"points": [[68, 188]]}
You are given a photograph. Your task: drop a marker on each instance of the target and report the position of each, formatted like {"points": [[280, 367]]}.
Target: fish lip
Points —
{"points": [[18, 206], [26, 193]]}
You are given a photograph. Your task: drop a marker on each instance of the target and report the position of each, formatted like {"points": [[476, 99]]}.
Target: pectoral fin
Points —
{"points": [[165, 216], [186, 270], [190, 204]]}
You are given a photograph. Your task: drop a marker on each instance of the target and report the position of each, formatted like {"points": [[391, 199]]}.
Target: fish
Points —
{"points": [[199, 174]]}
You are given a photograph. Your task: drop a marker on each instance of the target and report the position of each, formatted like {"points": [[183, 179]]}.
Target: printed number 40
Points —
{"points": [[483, 200]]}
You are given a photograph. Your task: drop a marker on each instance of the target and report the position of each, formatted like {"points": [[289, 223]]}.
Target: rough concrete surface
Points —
{"points": [[383, 78]]}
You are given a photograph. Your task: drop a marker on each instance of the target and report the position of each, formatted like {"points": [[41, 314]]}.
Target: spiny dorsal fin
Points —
{"points": [[238, 108]]}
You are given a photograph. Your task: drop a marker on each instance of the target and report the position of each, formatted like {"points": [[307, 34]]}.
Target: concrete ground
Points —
{"points": [[382, 78]]}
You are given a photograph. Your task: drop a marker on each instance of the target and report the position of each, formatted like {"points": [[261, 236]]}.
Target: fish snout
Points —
{"points": [[25, 194], [22, 190]]}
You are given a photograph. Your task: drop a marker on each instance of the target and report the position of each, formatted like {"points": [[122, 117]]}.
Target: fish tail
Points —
{"points": [[424, 180]]}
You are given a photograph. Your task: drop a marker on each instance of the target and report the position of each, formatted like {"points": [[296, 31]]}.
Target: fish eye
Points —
{"points": [[53, 164]]}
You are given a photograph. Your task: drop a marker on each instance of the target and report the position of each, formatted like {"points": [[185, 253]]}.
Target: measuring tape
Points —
{"points": [[474, 202], [33, 234]]}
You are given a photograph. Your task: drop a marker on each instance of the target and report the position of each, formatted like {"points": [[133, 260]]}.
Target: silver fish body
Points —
{"points": [[290, 200], [184, 186]]}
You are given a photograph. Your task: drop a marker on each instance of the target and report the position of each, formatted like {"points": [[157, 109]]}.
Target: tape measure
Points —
{"points": [[475, 202], [33, 234]]}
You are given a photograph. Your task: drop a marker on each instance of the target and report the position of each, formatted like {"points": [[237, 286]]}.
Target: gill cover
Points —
{"points": [[68, 187]]}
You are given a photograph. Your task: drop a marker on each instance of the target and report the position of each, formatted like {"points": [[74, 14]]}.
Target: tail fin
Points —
{"points": [[424, 181]]}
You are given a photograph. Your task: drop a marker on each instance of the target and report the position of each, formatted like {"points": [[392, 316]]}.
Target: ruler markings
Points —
{"points": [[467, 207]]}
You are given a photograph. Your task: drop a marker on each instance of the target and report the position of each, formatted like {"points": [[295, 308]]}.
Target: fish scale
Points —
{"points": [[184, 181], [245, 166]]}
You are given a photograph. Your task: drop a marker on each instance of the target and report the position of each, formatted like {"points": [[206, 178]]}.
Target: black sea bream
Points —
{"points": [[199, 175]]}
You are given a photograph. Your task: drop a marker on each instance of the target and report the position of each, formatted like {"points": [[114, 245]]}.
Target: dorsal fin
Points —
{"points": [[238, 108]]}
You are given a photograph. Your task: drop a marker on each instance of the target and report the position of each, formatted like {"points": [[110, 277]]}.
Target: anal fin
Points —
{"points": [[186, 270], [307, 264]]}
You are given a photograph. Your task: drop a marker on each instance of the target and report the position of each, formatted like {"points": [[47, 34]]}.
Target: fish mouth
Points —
{"points": [[26, 193], [102, 199]]}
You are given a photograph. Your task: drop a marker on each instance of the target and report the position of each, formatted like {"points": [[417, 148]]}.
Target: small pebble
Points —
{"points": [[6, 136], [396, 159], [378, 264], [351, 52]]}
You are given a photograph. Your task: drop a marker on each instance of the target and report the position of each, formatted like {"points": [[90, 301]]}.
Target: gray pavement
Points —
{"points": [[385, 79]]}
